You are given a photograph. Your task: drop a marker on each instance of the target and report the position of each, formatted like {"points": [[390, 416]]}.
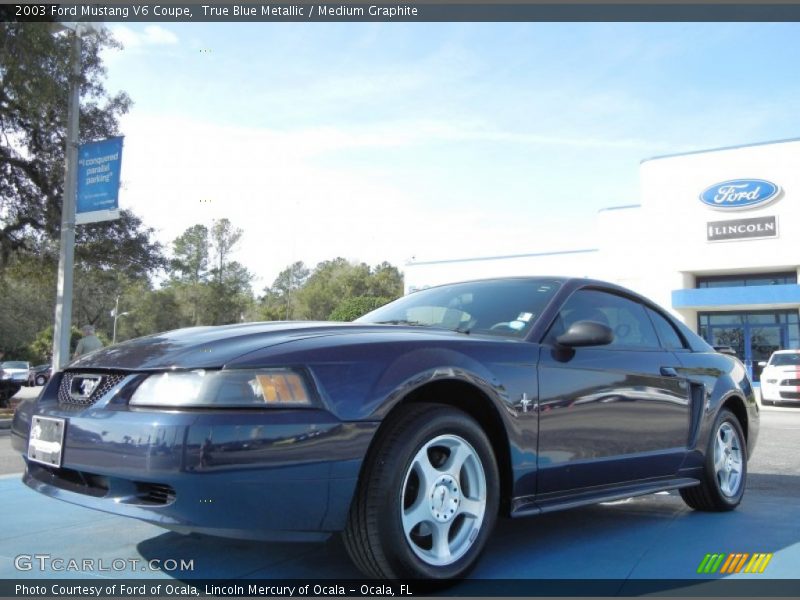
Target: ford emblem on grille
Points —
{"points": [[84, 385], [740, 194]]}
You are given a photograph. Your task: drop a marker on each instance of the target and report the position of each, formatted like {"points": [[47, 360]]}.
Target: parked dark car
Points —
{"points": [[13, 375], [7, 389], [39, 375], [410, 430]]}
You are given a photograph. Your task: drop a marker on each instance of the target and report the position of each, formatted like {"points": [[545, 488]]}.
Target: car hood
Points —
{"points": [[782, 370], [213, 347]]}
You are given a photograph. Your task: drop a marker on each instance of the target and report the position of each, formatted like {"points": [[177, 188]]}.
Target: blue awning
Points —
{"points": [[756, 296]]}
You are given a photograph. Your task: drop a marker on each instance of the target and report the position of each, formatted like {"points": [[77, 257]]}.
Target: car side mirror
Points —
{"points": [[586, 333], [762, 363]]}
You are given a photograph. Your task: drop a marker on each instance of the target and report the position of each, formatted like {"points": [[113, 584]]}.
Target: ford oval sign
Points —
{"points": [[739, 194]]}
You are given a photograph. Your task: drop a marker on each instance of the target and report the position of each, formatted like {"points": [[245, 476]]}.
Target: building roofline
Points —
{"points": [[783, 141], [479, 258], [623, 207]]}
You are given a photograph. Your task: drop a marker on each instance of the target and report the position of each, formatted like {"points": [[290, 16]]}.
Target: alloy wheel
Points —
{"points": [[443, 500], [728, 458]]}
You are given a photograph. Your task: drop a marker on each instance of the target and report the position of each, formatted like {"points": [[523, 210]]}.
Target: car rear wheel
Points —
{"points": [[428, 497], [41, 380], [725, 472]]}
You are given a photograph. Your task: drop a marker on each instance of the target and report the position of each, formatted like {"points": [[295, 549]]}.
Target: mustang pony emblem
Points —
{"points": [[83, 387]]}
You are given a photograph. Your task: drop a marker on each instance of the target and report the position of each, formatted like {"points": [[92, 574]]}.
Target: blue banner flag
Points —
{"points": [[99, 166]]}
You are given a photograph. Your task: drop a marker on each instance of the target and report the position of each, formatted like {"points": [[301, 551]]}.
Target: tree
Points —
{"points": [[336, 280], [190, 255], [386, 281], [34, 86], [224, 236], [190, 267], [149, 311], [277, 303], [230, 295], [210, 295], [352, 308], [41, 348]]}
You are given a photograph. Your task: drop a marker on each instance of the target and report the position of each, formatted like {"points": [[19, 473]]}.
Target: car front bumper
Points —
{"points": [[252, 474], [774, 392]]}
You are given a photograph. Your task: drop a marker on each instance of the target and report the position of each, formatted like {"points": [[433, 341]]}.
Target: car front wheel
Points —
{"points": [[41, 380], [725, 472], [428, 497]]}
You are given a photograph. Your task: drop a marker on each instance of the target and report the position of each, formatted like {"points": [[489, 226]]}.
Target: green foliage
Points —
{"points": [[190, 255], [40, 350], [24, 309], [279, 301], [209, 296], [352, 308], [336, 280], [34, 87], [110, 256], [300, 294], [148, 311]]}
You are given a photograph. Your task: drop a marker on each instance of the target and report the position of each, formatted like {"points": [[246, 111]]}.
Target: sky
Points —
{"points": [[405, 141]]}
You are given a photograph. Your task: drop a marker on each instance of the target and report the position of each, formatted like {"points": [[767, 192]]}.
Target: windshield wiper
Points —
{"points": [[401, 322]]}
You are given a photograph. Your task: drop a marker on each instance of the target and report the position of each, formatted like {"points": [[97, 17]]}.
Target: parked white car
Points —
{"points": [[780, 379], [16, 371]]}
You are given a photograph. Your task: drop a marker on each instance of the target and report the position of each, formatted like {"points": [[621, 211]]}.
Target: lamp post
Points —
{"points": [[116, 315], [66, 254]]}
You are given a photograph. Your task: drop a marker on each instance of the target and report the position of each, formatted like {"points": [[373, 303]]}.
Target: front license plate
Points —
{"points": [[46, 440]]}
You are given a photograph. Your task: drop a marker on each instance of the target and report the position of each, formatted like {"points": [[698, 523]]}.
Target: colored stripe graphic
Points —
{"points": [[758, 563], [734, 562], [711, 563]]}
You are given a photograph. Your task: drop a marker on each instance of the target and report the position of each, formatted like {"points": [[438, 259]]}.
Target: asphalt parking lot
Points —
{"points": [[652, 537]]}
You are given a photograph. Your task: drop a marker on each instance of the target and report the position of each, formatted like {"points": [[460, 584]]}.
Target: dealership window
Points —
{"points": [[717, 281], [753, 335]]}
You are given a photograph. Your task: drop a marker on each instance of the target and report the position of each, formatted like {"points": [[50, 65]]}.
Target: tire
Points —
{"points": [[427, 499], [725, 471], [41, 380]]}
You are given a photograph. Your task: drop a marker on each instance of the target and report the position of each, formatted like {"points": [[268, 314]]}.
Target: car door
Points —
{"points": [[609, 414]]}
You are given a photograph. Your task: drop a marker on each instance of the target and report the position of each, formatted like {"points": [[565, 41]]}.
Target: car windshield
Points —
{"points": [[505, 308], [14, 364], [782, 360]]}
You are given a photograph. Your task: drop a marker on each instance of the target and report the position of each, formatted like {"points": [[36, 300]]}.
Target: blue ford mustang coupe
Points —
{"points": [[410, 430]]}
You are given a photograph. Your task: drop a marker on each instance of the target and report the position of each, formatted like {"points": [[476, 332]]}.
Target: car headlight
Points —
{"points": [[6, 376], [273, 388]]}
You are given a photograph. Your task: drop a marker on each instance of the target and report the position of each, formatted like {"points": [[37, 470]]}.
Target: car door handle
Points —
{"points": [[669, 372]]}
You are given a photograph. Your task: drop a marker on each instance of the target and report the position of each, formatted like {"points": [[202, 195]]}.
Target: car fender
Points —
{"points": [[731, 389]]}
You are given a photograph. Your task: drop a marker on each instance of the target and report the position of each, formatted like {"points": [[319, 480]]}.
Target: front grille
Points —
{"points": [[790, 395], [65, 391], [790, 382]]}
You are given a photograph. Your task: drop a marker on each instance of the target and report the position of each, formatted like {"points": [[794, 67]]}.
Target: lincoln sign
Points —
{"points": [[742, 229]]}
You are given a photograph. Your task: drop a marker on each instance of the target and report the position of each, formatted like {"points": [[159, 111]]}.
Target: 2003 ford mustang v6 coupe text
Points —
{"points": [[410, 430]]}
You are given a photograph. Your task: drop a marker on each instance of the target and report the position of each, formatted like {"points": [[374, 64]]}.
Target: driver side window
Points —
{"points": [[626, 318]]}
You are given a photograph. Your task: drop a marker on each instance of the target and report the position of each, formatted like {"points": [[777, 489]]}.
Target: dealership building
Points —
{"points": [[715, 239]]}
